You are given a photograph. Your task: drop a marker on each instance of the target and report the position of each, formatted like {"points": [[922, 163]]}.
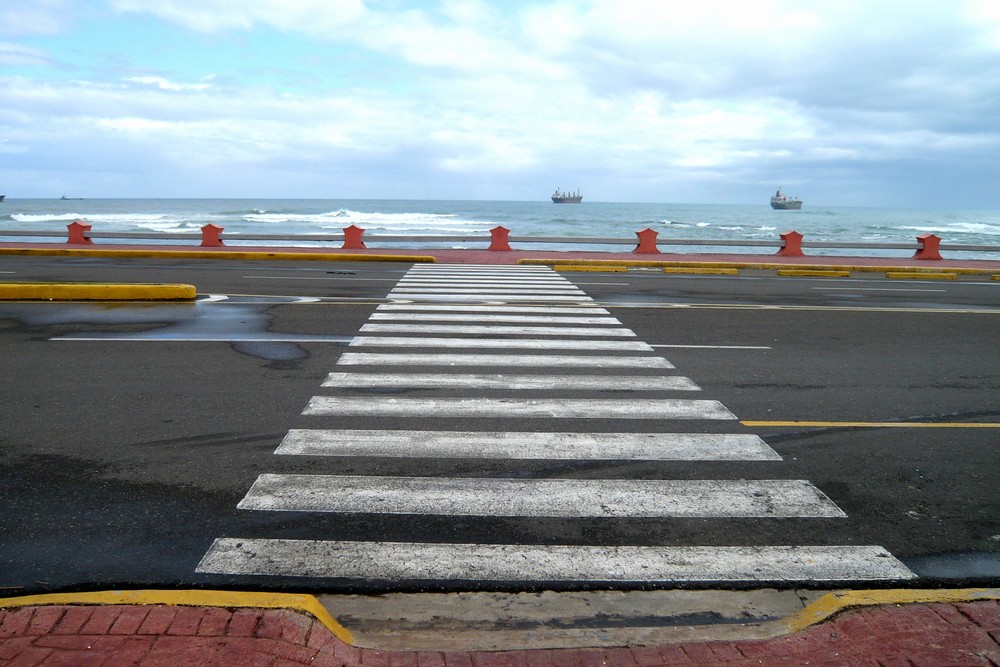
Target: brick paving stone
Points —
{"points": [[452, 659], [186, 621], [101, 619], [30, 657], [72, 620], [215, 622], [700, 654], [430, 659], [43, 619], [950, 614], [985, 614], [646, 656], [328, 660], [129, 620], [131, 653], [577, 658], [14, 622], [501, 659], [157, 620], [346, 652], [244, 623], [75, 659], [726, 651], [674, 654], [620, 657], [374, 658], [403, 659], [66, 642], [13, 646]]}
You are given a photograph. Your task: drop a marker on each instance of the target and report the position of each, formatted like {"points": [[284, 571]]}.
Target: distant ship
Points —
{"points": [[782, 202], [2, 197], [567, 197]]}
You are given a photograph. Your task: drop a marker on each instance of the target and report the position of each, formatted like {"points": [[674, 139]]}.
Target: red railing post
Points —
{"points": [[647, 242], [499, 239], [211, 236], [352, 238], [793, 245], [77, 230], [930, 247]]}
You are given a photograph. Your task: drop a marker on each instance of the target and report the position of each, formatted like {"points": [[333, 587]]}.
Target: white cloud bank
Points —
{"points": [[711, 101]]}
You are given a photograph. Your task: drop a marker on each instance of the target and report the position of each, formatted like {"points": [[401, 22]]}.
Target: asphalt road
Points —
{"points": [[132, 431]]}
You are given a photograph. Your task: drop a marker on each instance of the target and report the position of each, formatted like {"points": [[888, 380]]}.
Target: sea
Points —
{"points": [[473, 220]]}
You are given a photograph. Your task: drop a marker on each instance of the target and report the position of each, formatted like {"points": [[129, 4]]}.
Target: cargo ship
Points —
{"points": [[566, 197], [782, 202]]}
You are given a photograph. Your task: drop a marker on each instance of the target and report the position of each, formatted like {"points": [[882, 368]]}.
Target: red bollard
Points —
{"points": [[352, 238], [210, 236], [793, 245], [930, 247], [499, 236], [647, 242], [77, 229]]}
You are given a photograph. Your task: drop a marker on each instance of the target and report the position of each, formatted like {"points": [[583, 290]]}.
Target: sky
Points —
{"points": [[854, 103]]}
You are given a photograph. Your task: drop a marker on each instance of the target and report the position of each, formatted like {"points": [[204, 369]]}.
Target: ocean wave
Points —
{"points": [[402, 222], [955, 228]]}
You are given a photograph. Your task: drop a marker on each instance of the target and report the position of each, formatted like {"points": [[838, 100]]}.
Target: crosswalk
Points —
{"points": [[563, 372]]}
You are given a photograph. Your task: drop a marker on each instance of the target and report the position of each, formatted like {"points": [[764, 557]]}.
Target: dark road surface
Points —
{"points": [[131, 432]]}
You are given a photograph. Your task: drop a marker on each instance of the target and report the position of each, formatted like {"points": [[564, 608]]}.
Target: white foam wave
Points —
{"points": [[955, 228], [376, 222]]}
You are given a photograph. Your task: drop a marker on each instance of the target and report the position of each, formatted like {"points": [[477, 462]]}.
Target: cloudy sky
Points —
{"points": [[862, 103]]}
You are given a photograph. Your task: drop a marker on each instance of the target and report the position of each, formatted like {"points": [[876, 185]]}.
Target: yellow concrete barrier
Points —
{"points": [[703, 270], [11, 291], [809, 273], [918, 275], [603, 268]]}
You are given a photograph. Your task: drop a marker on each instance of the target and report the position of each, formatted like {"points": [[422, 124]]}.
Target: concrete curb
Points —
{"points": [[219, 254], [815, 613], [557, 262], [307, 604], [96, 292]]}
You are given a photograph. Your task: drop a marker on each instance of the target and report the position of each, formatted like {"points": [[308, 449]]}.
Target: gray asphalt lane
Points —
{"points": [[123, 459]]}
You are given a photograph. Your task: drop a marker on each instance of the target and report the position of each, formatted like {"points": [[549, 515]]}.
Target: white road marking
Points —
{"points": [[518, 408], [406, 561], [402, 291], [511, 382], [717, 347], [481, 329], [489, 296], [508, 360], [530, 445], [502, 343], [490, 496], [465, 308], [473, 317], [847, 288]]}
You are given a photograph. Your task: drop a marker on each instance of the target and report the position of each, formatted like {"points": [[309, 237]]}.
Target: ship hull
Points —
{"points": [[567, 200], [786, 205]]}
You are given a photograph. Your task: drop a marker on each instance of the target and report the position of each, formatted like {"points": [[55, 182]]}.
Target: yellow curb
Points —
{"points": [[96, 292], [821, 424], [307, 604], [917, 275], [832, 603], [814, 273], [854, 268], [220, 254], [616, 268], [702, 270]]}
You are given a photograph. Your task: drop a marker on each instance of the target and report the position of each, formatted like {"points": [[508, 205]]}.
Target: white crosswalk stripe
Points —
{"points": [[408, 561], [496, 329], [502, 343], [511, 308], [510, 382], [513, 408], [507, 360], [528, 445], [479, 496]]}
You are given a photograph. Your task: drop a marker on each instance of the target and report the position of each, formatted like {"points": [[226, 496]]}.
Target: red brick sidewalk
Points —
{"points": [[939, 635]]}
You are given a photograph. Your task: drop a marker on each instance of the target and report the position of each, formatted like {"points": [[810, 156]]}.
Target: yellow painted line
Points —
{"points": [[832, 603], [307, 604], [814, 273], [917, 275], [96, 292], [703, 270], [821, 424], [996, 276], [854, 268], [615, 268], [220, 254]]}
